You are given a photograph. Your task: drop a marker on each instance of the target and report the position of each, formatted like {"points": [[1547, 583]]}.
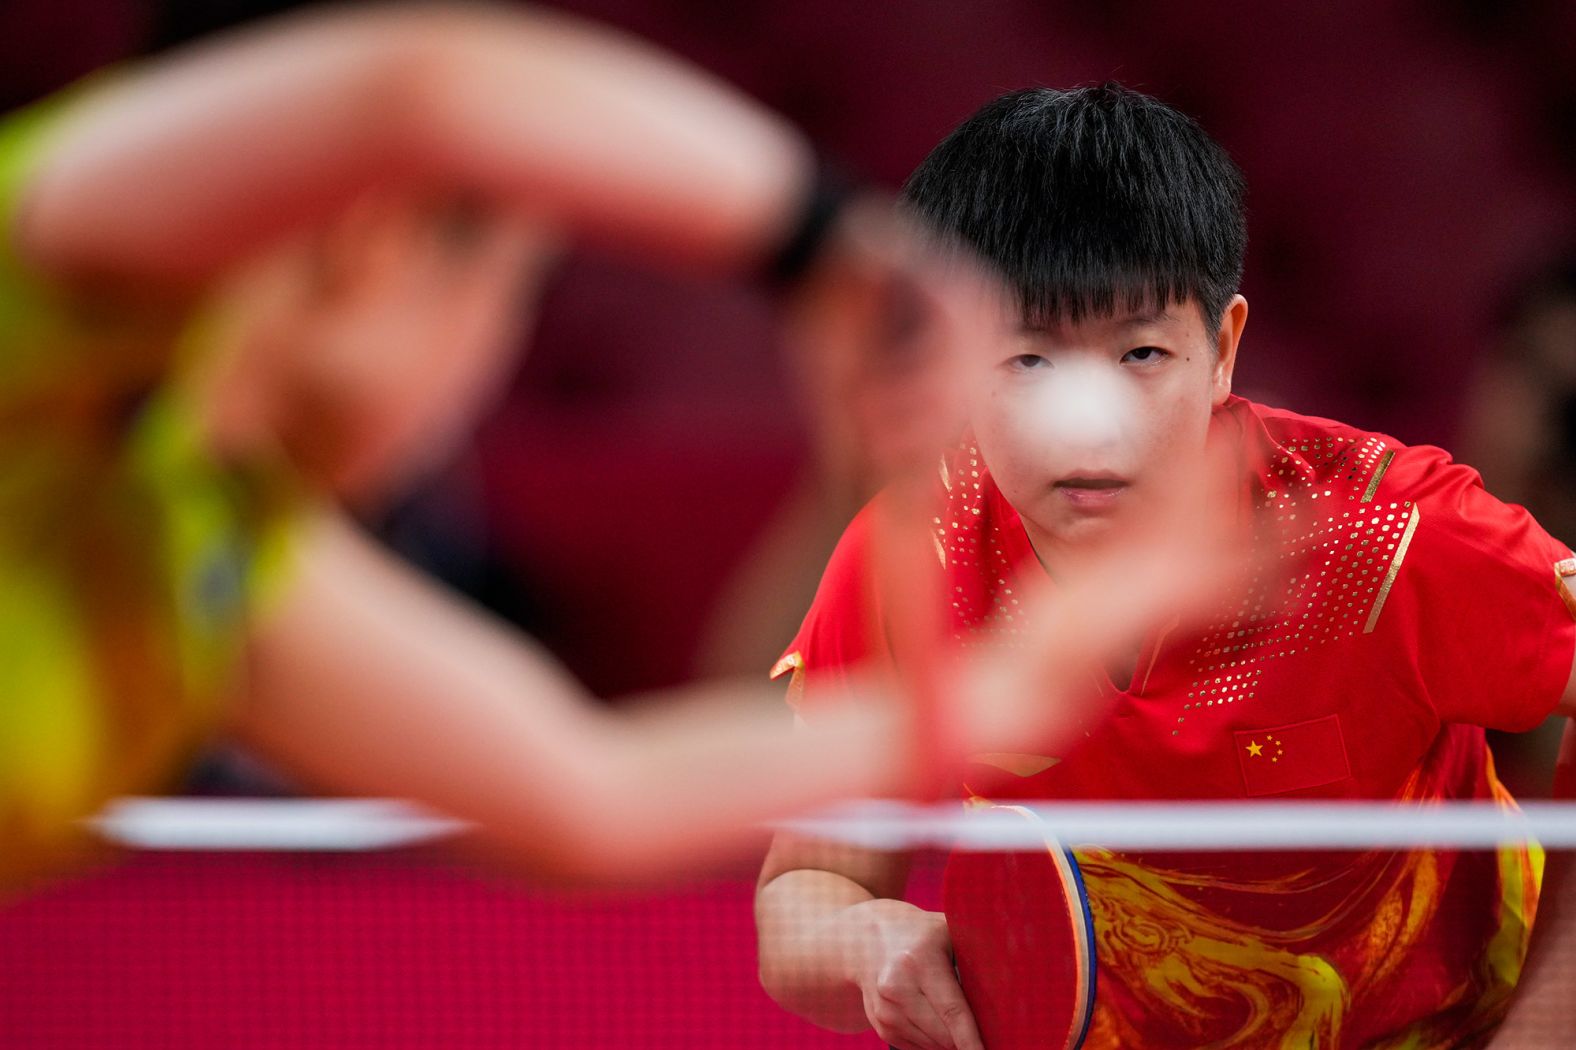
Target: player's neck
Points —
{"points": [[1066, 565], [1122, 666]]}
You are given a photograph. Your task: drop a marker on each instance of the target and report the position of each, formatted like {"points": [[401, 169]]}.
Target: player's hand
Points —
{"points": [[1176, 570], [890, 332], [367, 349], [905, 974]]}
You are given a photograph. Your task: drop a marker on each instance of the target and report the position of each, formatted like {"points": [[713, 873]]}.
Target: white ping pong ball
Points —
{"points": [[1088, 405]]}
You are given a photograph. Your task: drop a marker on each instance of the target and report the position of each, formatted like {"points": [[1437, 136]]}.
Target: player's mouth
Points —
{"points": [[1093, 491]]}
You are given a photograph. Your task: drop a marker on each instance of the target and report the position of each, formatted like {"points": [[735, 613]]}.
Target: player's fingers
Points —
{"points": [[884, 330], [946, 998], [902, 1032], [920, 378], [1077, 624], [900, 1008], [1177, 569]]}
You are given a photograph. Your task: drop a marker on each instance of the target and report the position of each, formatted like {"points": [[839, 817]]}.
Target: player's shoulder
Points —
{"points": [[837, 628], [1364, 465], [850, 559]]}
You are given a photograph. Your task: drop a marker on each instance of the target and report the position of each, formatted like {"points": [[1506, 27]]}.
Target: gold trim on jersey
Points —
{"points": [[1395, 567], [1373, 483]]}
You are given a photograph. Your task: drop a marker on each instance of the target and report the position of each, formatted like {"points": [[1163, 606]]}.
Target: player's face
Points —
{"points": [[1085, 425]]}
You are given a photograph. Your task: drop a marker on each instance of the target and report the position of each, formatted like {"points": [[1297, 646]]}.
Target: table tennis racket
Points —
{"points": [[1023, 942]]}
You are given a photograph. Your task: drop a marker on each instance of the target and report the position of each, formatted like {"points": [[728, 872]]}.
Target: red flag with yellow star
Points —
{"points": [[1287, 758]]}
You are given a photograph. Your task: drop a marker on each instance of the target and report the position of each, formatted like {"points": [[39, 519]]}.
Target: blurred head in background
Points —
{"points": [[1522, 405]]}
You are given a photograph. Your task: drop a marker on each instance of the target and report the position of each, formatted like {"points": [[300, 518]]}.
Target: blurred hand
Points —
{"points": [[890, 333], [1036, 691], [905, 974], [367, 350]]}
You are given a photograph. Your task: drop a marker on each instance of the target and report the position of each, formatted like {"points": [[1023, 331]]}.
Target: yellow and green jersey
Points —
{"points": [[129, 558]]}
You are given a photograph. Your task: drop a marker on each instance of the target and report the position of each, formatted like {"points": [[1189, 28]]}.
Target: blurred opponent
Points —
{"points": [[276, 273]]}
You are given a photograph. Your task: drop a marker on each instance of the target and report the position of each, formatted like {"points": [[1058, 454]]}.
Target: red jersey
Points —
{"points": [[1416, 610]]}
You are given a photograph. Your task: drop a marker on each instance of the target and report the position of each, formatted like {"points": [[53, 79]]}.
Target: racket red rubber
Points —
{"points": [[1023, 942]]}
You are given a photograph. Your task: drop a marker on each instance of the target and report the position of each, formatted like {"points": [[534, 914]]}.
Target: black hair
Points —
{"points": [[1089, 201]]}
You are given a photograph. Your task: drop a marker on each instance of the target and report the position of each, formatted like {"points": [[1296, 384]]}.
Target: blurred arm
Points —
{"points": [[188, 165], [367, 680]]}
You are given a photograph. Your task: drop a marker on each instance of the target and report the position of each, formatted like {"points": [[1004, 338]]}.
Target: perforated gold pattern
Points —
{"points": [[1335, 553], [1335, 550], [971, 547]]}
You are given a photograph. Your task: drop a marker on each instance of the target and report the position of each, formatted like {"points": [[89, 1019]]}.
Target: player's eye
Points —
{"points": [[1027, 362], [1145, 355]]}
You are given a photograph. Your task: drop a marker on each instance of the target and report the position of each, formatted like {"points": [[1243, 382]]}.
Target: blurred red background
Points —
{"points": [[1409, 164]]}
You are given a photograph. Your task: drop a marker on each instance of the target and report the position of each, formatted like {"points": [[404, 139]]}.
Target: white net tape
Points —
{"points": [[316, 824], [369, 824]]}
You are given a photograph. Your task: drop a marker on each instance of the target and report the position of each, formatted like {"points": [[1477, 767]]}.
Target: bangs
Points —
{"points": [[1046, 306], [1089, 203]]}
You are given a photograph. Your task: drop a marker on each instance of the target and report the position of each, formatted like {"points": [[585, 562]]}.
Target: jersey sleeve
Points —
{"points": [[1479, 599], [842, 629]]}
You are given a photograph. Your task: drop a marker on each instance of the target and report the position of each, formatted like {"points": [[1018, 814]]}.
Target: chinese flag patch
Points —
{"points": [[1289, 758]]}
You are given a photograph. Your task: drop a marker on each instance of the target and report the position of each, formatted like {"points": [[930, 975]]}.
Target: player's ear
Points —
{"points": [[1232, 321]]}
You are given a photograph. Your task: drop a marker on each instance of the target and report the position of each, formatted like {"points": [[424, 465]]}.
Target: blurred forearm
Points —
{"points": [[177, 170], [367, 680]]}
